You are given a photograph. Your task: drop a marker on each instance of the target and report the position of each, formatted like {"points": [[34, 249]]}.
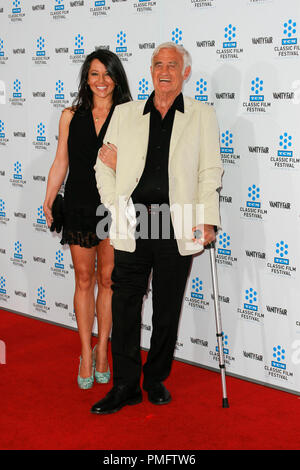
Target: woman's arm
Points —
{"points": [[60, 165]]}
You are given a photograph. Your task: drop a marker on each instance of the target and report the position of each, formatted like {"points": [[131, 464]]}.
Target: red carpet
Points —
{"points": [[42, 408]]}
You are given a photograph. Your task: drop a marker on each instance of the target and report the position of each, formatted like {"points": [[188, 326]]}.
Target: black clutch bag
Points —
{"points": [[58, 213]]}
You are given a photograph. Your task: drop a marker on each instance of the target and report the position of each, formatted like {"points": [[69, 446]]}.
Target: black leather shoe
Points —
{"points": [[118, 397], [159, 395]]}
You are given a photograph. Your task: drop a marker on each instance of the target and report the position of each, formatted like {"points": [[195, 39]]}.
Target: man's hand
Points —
{"points": [[108, 155], [208, 234]]}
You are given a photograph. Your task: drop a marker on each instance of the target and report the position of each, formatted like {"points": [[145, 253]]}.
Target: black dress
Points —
{"points": [[81, 196]]}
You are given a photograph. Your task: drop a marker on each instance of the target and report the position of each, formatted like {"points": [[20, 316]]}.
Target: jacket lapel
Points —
{"points": [[180, 121], [141, 130]]}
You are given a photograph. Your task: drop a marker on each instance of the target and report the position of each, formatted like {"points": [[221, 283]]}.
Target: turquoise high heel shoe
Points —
{"points": [[85, 383], [100, 377]]}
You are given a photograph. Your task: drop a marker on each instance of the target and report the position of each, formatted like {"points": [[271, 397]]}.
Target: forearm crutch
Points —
{"points": [[211, 248]]}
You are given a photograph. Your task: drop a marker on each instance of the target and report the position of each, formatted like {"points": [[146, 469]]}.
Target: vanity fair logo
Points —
{"points": [[76, 3], [38, 7]]}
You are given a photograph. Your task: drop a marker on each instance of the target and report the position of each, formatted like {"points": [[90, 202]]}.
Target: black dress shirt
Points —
{"points": [[153, 187]]}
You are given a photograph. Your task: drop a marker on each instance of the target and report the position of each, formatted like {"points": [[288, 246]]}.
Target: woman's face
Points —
{"points": [[100, 83]]}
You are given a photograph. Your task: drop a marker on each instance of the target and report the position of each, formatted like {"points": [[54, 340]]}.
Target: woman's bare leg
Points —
{"points": [[84, 301], [105, 264]]}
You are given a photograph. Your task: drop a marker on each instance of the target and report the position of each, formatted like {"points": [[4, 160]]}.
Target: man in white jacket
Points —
{"points": [[167, 156]]}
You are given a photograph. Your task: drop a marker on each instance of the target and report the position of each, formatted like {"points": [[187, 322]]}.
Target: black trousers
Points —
{"points": [[130, 283]]}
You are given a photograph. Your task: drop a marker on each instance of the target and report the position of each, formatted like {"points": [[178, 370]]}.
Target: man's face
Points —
{"points": [[167, 71]]}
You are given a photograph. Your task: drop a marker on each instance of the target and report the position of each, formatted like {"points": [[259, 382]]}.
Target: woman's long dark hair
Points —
{"points": [[116, 72]]}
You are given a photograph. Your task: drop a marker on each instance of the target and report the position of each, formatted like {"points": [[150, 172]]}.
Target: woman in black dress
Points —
{"points": [[103, 85]]}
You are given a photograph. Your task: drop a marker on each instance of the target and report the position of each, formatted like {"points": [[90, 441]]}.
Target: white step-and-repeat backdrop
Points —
{"points": [[246, 64]]}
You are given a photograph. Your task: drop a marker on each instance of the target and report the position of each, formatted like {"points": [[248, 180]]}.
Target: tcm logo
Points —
{"points": [[121, 41], [2, 285], [143, 89], [18, 250], [250, 302], [41, 132], [59, 257], [197, 287], [78, 45], [253, 196], [224, 344], [40, 46], [257, 89], [17, 171], [226, 142], [59, 5], [201, 90], [289, 31], [17, 89], [99, 3], [2, 208], [41, 295], [59, 88], [281, 253], [16, 6], [177, 36], [2, 129], [41, 219], [229, 36], [285, 144], [224, 244], [279, 357], [1, 48]]}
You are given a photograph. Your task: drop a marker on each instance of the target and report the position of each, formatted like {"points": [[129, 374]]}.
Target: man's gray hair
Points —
{"points": [[187, 59]]}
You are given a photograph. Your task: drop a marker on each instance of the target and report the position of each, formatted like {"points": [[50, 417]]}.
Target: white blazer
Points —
{"points": [[195, 170]]}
